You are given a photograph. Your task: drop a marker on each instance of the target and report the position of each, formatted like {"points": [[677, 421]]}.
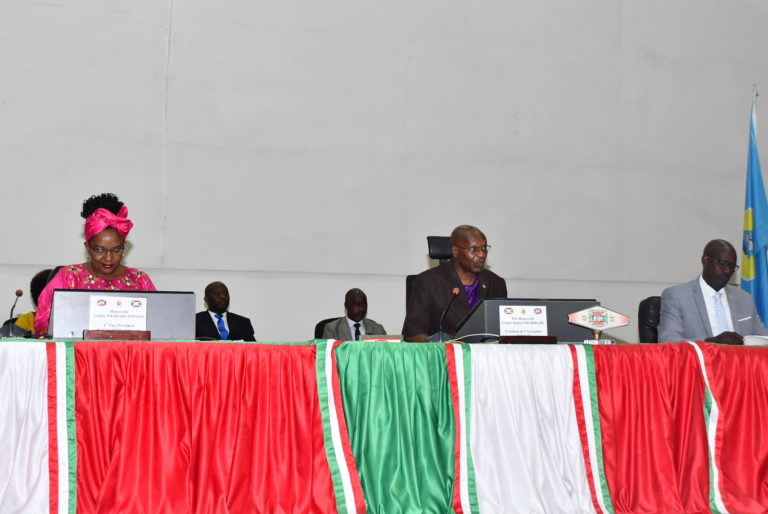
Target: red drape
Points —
{"points": [[738, 379], [653, 429], [199, 428]]}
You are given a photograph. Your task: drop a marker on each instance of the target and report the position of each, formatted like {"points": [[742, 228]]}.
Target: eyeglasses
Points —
{"points": [[98, 250], [722, 264], [476, 249]]}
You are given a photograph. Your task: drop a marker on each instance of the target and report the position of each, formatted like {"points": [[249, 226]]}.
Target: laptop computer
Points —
{"points": [[482, 323], [169, 314]]}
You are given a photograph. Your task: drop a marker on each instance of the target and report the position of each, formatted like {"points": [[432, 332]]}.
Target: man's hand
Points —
{"points": [[726, 338]]}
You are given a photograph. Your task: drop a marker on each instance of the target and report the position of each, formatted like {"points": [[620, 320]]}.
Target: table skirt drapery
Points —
{"points": [[349, 427]]}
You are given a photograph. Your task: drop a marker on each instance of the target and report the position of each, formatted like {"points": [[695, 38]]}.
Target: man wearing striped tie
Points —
{"points": [[217, 323], [707, 308]]}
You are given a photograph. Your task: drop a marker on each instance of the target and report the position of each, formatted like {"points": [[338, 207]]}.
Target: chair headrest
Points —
{"points": [[439, 247], [650, 311]]}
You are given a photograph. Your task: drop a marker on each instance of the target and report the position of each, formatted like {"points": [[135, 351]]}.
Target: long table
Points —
{"points": [[328, 426]]}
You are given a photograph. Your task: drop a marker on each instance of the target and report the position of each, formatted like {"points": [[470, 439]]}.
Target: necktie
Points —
{"points": [[357, 331], [720, 314], [222, 327]]}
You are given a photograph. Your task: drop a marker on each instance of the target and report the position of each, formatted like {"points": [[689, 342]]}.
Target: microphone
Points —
{"points": [[455, 294], [19, 292], [9, 328]]}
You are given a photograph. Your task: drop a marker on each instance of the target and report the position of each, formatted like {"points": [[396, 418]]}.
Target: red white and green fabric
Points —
{"points": [[666, 428], [399, 411], [36, 444], [341, 427], [680, 427], [736, 395], [641, 415], [520, 449], [173, 427], [569, 428], [440, 428]]}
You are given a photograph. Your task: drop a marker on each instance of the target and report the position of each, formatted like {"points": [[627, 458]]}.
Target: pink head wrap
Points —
{"points": [[101, 219]]}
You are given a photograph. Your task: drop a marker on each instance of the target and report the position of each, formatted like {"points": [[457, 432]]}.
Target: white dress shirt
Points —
{"points": [[351, 324], [709, 300], [216, 320]]}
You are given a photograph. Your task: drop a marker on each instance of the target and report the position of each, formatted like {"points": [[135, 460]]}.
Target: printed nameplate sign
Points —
{"points": [[117, 313], [522, 320]]}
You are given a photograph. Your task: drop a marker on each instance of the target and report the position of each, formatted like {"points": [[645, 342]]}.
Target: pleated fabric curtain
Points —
{"points": [[328, 426], [175, 427]]}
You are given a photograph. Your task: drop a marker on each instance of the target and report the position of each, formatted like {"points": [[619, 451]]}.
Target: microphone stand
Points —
{"points": [[19, 292], [9, 328], [455, 294]]}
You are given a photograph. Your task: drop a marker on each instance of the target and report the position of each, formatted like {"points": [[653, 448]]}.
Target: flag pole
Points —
{"points": [[754, 269]]}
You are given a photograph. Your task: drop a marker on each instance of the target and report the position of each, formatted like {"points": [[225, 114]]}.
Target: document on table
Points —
{"points": [[755, 340]]}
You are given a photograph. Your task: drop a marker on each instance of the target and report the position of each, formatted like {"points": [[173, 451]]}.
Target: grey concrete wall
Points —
{"points": [[296, 149]]}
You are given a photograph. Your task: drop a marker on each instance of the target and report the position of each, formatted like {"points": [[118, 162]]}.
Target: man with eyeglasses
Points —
{"points": [[433, 289], [706, 306]]}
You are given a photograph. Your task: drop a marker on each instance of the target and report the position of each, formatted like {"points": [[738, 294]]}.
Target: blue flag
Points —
{"points": [[754, 269]]}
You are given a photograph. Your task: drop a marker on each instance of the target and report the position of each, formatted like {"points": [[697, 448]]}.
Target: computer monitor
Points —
{"points": [[543, 316], [169, 314]]}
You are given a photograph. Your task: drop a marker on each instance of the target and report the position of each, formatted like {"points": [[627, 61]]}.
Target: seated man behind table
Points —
{"points": [[707, 305], [433, 289], [354, 324], [218, 324]]}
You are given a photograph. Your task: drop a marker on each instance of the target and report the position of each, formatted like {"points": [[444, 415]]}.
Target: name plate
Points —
{"points": [[372, 338], [522, 320], [117, 313]]}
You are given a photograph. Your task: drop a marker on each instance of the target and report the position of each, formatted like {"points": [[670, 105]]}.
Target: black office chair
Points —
{"points": [[321, 326], [53, 273], [439, 248], [648, 315]]}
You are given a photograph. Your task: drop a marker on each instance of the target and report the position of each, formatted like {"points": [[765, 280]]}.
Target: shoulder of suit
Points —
{"points": [[736, 291], [690, 285], [444, 268], [335, 324]]}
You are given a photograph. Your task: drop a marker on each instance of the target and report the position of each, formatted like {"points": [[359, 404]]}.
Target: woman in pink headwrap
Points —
{"points": [[106, 227]]}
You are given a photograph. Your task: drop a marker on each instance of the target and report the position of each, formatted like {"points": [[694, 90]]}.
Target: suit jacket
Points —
{"points": [[684, 313], [432, 290], [339, 329], [240, 327]]}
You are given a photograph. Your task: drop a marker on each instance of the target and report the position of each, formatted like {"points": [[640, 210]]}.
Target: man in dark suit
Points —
{"points": [[464, 276], [354, 324], [707, 308], [217, 323]]}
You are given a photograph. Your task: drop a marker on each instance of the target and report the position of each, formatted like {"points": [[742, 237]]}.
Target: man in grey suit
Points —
{"points": [[701, 308], [354, 324]]}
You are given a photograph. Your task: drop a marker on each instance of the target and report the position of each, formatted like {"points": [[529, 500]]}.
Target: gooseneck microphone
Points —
{"points": [[455, 294], [9, 328], [19, 292]]}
